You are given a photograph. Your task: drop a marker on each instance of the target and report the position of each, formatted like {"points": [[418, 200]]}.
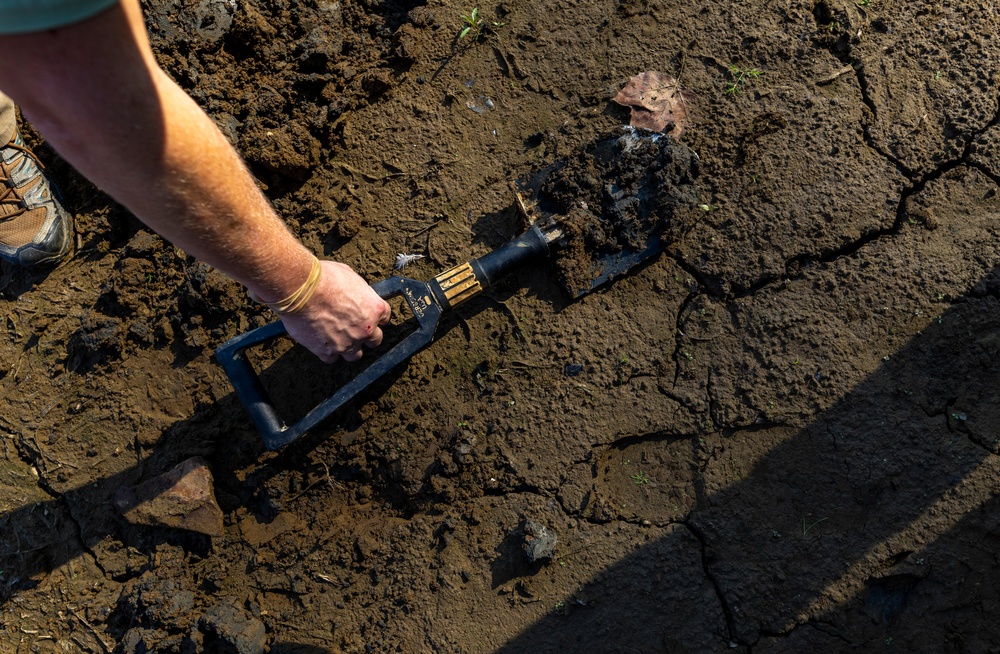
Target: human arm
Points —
{"points": [[96, 93]]}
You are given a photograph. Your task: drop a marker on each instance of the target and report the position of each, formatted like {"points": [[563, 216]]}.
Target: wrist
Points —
{"points": [[292, 302]]}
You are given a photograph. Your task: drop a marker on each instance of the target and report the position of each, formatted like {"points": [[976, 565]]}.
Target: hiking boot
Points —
{"points": [[35, 230]]}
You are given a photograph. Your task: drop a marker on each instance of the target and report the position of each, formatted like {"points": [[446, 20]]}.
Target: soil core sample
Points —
{"points": [[619, 202]]}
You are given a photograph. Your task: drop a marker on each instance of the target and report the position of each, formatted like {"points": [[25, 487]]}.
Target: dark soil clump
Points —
{"points": [[626, 193]]}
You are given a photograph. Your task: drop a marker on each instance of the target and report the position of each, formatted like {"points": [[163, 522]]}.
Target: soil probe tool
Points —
{"points": [[429, 300]]}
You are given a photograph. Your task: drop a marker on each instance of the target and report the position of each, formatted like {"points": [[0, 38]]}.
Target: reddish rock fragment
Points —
{"points": [[182, 497], [656, 101]]}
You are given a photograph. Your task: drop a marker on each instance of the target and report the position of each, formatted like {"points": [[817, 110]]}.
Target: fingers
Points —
{"points": [[353, 355], [375, 339], [386, 313]]}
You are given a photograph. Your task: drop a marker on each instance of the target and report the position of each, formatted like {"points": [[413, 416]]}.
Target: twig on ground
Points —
{"points": [[835, 75], [326, 477], [90, 627]]}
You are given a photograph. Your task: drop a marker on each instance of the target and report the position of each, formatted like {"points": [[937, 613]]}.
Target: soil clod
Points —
{"points": [[228, 628], [619, 201], [539, 542]]}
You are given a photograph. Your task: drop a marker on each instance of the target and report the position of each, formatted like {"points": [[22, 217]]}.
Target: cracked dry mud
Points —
{"points": [[779, 436]]}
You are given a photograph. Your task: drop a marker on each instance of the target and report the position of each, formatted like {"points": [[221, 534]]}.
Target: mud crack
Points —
{"points": [[32, 456], [727, 610]]}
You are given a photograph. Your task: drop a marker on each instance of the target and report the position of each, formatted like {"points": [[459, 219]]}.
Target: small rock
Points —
{"points": [[539, 542], [229, 628], [182, 498]]}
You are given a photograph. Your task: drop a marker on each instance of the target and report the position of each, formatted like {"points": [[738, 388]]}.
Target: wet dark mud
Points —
{"points": [[777, 435]]}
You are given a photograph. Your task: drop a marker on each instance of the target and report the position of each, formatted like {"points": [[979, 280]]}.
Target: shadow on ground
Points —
{"points": [[847, 534]]}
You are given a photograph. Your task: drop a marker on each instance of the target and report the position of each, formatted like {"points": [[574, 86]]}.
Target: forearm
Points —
{"points": [[138, 136], [199, 195], [95, 92]]}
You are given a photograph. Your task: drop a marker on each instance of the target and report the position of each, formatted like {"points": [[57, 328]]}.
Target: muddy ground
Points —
{"points": [[779, 436]]}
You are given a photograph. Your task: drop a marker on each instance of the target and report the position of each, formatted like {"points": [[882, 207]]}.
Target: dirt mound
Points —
{"points": [[626, 192]]}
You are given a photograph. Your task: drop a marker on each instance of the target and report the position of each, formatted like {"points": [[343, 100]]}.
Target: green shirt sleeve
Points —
{"points": [[18, 16]]}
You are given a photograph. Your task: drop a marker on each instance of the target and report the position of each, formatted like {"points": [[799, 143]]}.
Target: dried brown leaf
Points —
{"points": [[656, 101]]}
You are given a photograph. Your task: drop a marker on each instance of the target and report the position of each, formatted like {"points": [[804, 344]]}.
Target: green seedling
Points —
{"points": [[741, 77], [639, 478], [472, 22], [806, 528], [863, 3], [476, 25]]}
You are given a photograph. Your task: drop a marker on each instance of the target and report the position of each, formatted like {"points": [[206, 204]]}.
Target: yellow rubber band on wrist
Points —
{"points": [[294, 302]]}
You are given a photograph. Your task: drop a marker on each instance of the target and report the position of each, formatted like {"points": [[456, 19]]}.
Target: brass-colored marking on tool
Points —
{"points": [[459, 284]]}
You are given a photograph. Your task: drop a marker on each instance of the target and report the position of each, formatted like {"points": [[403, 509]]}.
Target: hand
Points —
{"points": [[342, 317]]}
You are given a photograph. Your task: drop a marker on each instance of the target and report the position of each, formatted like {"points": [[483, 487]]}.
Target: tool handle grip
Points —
{"points": [[255, 399], [465, 281], [513, 254]]}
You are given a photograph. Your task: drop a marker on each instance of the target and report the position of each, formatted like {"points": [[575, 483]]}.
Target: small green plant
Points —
{"points": [[687, 355], [806, 528], [708, 208], [639, 478], [863, 3], [473, 23], [741, 77], [462, 424]]}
